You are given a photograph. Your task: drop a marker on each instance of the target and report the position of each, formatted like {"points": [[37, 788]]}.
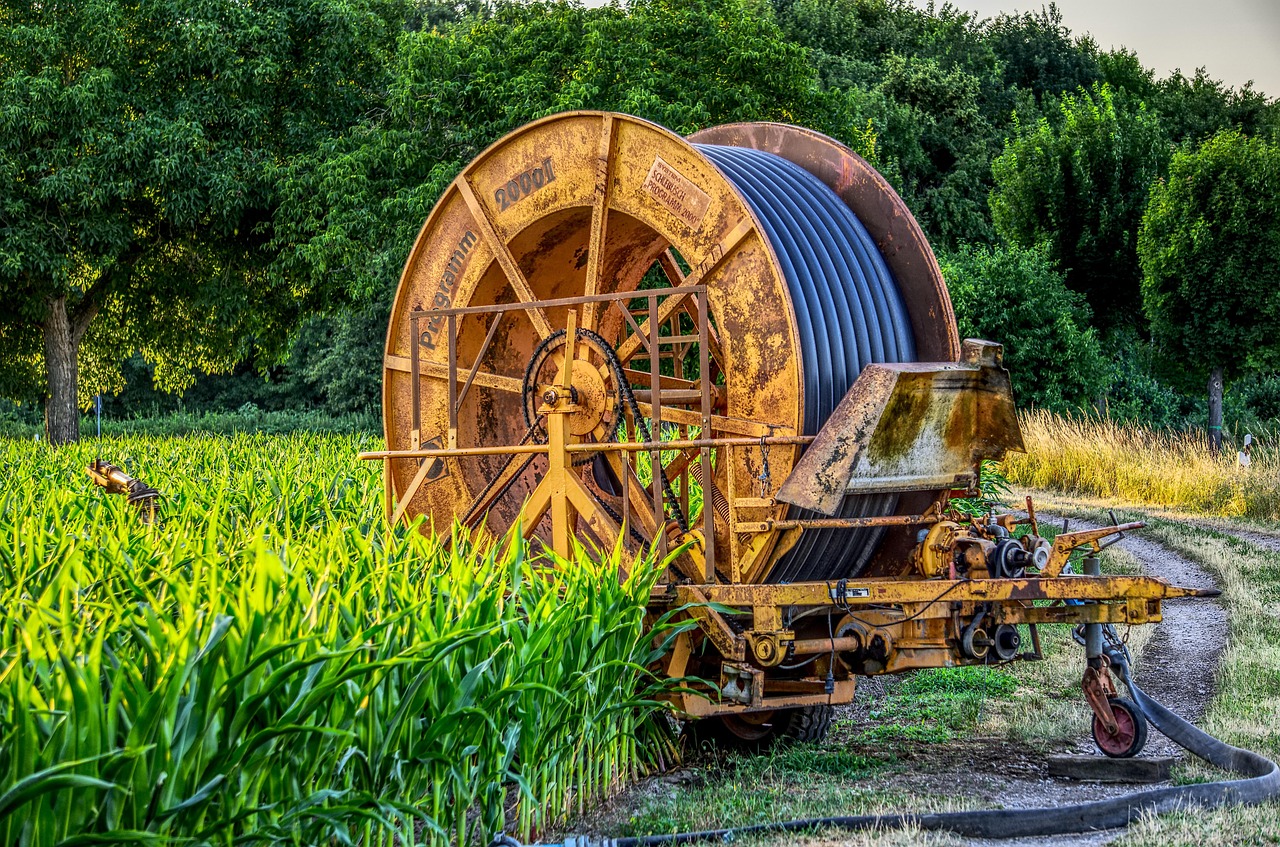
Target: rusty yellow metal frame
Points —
{"points": [[555, 226], [911, 613], [887, 591], [565, 215], [744, 622]]}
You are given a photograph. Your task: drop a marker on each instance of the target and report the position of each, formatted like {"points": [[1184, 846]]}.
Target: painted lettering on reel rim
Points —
{"points": [[523, 184], [444, 290]]}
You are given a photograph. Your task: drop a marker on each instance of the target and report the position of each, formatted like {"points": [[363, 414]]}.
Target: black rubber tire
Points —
{"points": [[809, 724], [759, 731], [1133, 726]]}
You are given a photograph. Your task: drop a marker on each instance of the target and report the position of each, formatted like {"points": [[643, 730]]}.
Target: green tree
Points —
{"points": [[1210, 252], [1017, 297], [352, 206], [1124, 71], [139, 144], [938, 144], [1079, 185], [1195, 108], [929, 87], [1038, 54], [1192, 109]]}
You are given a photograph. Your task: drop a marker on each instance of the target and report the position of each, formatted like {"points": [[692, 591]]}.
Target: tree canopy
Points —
{"points": [[194, 178], [352, 205], [1210, 250], [1077, 183], [139, 143]]}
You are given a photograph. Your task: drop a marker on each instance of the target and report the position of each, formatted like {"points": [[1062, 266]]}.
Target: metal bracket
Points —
{"points": [[843, 594]]}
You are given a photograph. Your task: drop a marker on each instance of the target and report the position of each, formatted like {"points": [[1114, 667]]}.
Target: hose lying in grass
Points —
{"points": [[1261, 783]]}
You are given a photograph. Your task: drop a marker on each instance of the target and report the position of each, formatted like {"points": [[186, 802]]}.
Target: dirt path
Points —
{"points": [[1177, 667]]}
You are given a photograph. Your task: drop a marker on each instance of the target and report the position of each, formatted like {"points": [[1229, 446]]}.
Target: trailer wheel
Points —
{"points": [[758, 731], [809, 724], [1131, 730]]}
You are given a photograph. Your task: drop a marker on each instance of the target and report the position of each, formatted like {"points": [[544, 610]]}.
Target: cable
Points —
{"points": [[849, 313], [843, 606]]}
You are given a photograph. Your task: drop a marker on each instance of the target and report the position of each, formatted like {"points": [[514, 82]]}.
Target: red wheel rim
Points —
{"points": [[1122, 740], [751, 726]]}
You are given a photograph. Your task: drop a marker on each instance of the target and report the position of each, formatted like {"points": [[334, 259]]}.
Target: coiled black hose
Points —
{"points": [[849, 313], [1260, 784]]}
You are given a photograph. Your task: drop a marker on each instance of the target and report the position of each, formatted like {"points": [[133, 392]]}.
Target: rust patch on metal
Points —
{"points": [[906, 411], [909, 427]]}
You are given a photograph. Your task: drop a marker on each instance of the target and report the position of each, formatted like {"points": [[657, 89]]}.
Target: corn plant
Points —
{"points": [[270, 663]]}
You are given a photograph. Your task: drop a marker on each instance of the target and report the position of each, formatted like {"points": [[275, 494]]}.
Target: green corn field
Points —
{"points": [[270, 663]]}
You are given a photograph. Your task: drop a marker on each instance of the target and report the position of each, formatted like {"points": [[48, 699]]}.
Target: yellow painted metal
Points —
{"points": [[517, 226], [910, 427], [852, 593], [1068, 542], [535, 256], [934, 553]]}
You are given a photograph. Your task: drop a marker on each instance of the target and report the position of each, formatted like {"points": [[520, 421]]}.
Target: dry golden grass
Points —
{"points": [[1132, 464]]}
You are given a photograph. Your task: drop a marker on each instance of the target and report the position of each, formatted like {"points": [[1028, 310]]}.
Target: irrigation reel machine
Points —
{"points": [[602, 322]]}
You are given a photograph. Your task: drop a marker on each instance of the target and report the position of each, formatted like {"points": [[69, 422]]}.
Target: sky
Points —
{"points": [[1235, 40]]}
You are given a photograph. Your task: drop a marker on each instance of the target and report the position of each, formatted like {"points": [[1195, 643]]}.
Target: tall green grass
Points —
{"points": [[272, 664]]}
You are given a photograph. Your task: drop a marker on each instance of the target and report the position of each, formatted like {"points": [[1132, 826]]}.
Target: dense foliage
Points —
{"points": [[334, 182], [1077, 183], [272, 664], [1018, 297], [139, 144], [1210, 248]]}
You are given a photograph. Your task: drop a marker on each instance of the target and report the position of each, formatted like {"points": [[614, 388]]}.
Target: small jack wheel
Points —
{"points": [[1131, 730]]}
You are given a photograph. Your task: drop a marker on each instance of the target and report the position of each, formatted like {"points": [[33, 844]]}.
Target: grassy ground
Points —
{"points": [[1246, 709]]}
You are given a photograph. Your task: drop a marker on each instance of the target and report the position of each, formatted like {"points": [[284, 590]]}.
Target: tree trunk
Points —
{"points": [[1215, 410], [61, 346]]}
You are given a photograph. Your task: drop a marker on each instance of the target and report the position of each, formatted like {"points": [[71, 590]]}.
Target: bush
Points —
{"points": [[1015, 296], [1142, 391], [1253, 403]]}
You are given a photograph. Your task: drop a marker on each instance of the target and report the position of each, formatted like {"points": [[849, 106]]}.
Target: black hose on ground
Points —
{"points": [[1260, 783]]}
